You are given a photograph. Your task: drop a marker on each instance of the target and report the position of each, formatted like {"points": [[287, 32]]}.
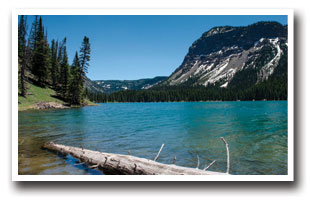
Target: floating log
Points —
{"points": [[110, 163]]}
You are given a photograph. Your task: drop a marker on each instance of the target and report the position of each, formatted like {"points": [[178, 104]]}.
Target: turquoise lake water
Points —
{"points": [[255, 131]]}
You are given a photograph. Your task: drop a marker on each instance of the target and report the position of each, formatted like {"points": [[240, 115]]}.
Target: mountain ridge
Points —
{"points": [[223, 51]]}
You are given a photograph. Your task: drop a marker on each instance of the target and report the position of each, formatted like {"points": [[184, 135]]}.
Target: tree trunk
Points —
{"points": [[124, 164]]}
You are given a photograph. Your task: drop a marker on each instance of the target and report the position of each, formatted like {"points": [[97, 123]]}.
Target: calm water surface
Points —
{"points": [[255, 131]]}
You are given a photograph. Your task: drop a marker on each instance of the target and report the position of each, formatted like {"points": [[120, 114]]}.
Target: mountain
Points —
{"points": [[92, 86], [234, 57], [111, 86]]}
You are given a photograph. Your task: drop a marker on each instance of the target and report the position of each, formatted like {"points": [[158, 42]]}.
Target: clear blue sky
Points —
{"points": [[134, 47]]}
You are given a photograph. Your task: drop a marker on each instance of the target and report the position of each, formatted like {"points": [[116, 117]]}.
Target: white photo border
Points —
{"points": [[290, 129]]}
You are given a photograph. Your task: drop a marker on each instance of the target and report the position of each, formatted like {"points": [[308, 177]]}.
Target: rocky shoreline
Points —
{"points": [[50, 105]]}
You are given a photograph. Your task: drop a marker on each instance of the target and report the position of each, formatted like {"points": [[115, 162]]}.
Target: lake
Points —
{"points": [[256, 132]]}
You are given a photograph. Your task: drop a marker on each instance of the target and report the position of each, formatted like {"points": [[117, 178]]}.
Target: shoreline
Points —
{"points": [[197, 101], [53, 106], [59, 106]]}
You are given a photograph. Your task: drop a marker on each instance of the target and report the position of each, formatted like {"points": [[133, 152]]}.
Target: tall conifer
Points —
{"points": [[64, 73], [40, 61], [85, 55], [22, 54], [76, 84], [54, 64]]}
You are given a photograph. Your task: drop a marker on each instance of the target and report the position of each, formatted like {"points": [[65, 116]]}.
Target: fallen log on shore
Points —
{"points": [[120, 164]]}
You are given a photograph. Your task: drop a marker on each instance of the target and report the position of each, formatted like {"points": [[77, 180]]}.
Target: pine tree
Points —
{"points": [[40, 62], [76, 84], [85, 55], [33, 34], [22, 54], [54, 64], [64, 73]]}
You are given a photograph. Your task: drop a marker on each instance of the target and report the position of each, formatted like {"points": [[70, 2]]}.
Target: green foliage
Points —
{"points": [[118, 85], [41, 56], [37, 94], [273, 89], [33, 36], [64, 74], [22, 56], [49, 68], [76, 83], [54, 64], [97, 97], [85, 55]]}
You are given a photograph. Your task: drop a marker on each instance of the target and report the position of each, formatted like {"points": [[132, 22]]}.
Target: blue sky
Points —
{"points": [[135, 47]]}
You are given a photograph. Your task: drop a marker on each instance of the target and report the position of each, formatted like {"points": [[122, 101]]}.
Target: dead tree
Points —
{"points": [[110, 163]]}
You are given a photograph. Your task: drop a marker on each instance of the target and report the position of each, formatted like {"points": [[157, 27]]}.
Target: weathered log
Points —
{"points": [[110, 163]]}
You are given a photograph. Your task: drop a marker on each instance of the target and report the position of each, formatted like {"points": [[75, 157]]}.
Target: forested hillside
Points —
{"points": [[44, 68], [111, 86]]}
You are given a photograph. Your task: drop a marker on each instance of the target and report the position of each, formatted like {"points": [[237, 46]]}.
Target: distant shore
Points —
{"points": [[193, 101], [57, 105]]}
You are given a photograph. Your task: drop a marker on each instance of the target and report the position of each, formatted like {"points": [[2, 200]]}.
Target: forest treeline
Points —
{"points": [[275, 88], [47, 65]]}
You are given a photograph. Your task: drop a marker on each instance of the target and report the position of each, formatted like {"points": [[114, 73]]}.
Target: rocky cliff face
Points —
{"points": [[233, 56]]}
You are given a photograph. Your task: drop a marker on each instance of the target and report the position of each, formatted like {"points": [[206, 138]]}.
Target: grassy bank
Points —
{"points": [[36, 94]]}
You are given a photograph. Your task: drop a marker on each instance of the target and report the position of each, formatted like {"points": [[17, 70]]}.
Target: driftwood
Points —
{"points": [[110, 163], [161, 148], [209, 165], [227, 150]]}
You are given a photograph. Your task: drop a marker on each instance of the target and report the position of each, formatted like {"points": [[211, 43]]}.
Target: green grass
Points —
{"points": [[89, 103], [36, 94]]}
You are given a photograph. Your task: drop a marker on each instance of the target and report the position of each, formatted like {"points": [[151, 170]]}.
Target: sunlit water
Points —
{"points": [[255, 131]]}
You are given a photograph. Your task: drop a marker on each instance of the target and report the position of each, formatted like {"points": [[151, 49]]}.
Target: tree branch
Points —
{"points": [[159, 152], [227, 150], [198, 162], [209, 165]]}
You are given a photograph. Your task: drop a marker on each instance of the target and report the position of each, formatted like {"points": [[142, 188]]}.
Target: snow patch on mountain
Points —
{"points": [[268, 69], [218, 59]]}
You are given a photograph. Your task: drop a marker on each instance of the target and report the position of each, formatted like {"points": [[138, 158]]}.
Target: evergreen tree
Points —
{"points": [[40, 62], [76, 84], [64, 73], [22, 57], [54, 64], [85, 55], [33, 36]]}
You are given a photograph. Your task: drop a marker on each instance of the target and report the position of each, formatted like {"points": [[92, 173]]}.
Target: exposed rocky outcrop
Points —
{"points": [[50, 105], [233, 56]]}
